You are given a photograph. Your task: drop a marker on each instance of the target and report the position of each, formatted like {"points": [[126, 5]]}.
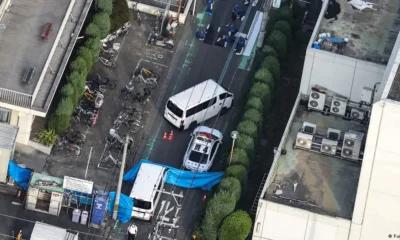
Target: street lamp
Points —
{"points": [[234, 135]]}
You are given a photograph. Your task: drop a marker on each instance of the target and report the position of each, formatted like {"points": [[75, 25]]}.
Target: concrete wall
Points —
{"points": [[3, 7], [279, 222], [343, 75], [5, 156], [24, 122]]}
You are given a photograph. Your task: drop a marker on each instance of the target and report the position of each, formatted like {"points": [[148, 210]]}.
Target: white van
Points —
{"points": [[189, 108], [146, 190]]}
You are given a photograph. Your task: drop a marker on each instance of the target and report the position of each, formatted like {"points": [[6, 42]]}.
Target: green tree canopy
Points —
{"points": [[79, 65], [236, 226], [260, 90], [67, 91], [86, 54], [105, 6], [285, 13], [92, 31], [239, 172], [232, 185], [249, 128], [239, 156], [209, 226], [246, 143], [253, 115], [59, 121], [267, 50], [102, 20], [78, 82], [272, 64], [120, 14], [265, 76], [278, 41], [254, 102], [284, 27], [221, 205]]}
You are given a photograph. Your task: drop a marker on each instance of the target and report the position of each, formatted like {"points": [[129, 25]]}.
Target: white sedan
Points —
{"points": [[202, 149]]}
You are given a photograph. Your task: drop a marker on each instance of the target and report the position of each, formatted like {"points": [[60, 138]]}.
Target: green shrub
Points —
{"points": [[254, 102], [64, 107], [86, 54], [246, 143], [264, 75], [253, 115], [278, 41], [236, 226], [284, 27], [249, 128], [92, 31], [239, 156], [219, 206], [285, 13], [272, 64], [261, 91], [78, 82], [239, 172], [79, 65], [231, 185], [120, 14], [47, 137], [59, 121], [102, 20], [67, 91], [105, 6], [94, 45], [267, 50]]}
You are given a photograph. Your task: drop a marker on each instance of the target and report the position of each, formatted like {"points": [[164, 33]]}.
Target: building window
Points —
{"points": [[5, 115]]}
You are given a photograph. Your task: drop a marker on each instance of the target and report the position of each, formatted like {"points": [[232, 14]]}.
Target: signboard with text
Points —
{"points": [[78, 185]]}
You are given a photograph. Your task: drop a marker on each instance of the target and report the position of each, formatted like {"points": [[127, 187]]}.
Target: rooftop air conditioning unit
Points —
{"points": [[352, 145], [304, 140], [357, 113], [316, 100], [333, 134], [338, 105], [328, 146], [309, 128]]}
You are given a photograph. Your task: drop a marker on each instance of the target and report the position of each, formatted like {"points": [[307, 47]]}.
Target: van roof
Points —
{"points": [[148, 176], [197, 94]]}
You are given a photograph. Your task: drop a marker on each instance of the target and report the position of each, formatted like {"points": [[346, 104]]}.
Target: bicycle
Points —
{"points": [[136, 10], [97, 98], [101, 83], [109, 156], [70, 147], [113, 137], [107, 62], [149, 77]]}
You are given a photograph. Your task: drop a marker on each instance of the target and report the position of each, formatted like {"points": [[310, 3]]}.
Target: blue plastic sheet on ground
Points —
{"points": [[181, 178], [20, 175], [125, 207]]}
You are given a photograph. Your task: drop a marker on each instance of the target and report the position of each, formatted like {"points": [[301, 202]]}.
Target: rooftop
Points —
{"points": [[371, 33], [325, 184]]}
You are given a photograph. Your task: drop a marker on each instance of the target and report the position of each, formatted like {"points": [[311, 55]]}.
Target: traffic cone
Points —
{"points": [[165, 136], [171, 135]]}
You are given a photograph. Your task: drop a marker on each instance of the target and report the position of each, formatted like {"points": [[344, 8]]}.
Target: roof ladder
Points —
{"points": [[254, 207]]}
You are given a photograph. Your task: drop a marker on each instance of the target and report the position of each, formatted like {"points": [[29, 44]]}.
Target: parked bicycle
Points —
{"points": [[101, 83], [130, 119], [149, 77], [71, 148], [87, 117], [108, 63], [110, 157], [75, 137], [96, 97]]}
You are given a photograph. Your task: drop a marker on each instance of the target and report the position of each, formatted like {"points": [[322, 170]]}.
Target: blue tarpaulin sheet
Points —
{"points": [[20, 175], [124, 209], [181, 178]]}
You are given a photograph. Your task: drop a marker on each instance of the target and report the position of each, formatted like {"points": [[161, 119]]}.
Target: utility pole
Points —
{"points": [[121, 174], [264, 21]]}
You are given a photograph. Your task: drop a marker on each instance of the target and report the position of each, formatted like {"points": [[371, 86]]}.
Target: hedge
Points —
{"points": [[254, 103], [239, 172], [105, 6], [249, 128], [285, 13], [102, 20], [79, 65], [272, 64], [68, 92], [261, 91], [92, 31], [239, 156], [253, 115], [284, 27], [267, 50], [246, 143], [120, 14], [232, 185], [236, 226], [278, 41], [264, 75], [86, 55]]}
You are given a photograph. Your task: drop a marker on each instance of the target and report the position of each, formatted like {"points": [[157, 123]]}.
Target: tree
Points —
{"points": [[105, 6], [285, 13], [261, 91], [64, 107], [254, 102], [221, 205], [284, 27], [239, 172], [94, 45], [86, 54], [79, 65], [267, 50], [272, 64], [253, 115], [59, 121], [209, 227], [278, 41], [248, 128], [239, 156], [120, 14], [231, 185], [102, 20], [92, 31], [264, 75], [236, 226], [67, 91], [246, 143], [78, 82]]}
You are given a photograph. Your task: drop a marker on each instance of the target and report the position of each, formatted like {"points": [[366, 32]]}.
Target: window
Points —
{"points": [[214, 147], [198, 157], [5, 115], [141, 204], [200, 107], [224, 95], [174, 109]]}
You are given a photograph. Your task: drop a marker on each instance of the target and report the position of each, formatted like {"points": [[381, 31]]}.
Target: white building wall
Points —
{"points": [[343, 75]]}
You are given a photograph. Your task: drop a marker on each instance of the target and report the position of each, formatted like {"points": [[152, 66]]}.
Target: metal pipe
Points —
{"points": [[121, 174], [88, 161], [179, 9], [194, 8], [233, 146], [264, 21]]}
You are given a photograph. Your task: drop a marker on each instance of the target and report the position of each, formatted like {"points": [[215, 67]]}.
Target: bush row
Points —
{"points": [[221, 220], [84, 59]]}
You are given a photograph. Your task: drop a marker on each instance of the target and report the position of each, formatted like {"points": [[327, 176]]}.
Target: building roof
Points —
{"points": [[8, 135], [372, 33], [324, 184]]}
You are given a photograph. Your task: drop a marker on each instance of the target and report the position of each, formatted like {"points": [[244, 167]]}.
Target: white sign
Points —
{"points": [[79, 185]]}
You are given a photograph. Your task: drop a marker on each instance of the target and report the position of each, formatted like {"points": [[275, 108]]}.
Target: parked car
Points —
{"points": [[202, 149]]}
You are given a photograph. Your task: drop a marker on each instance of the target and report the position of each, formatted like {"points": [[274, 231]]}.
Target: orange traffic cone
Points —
{"points": [[165, 136], [171, 135]]}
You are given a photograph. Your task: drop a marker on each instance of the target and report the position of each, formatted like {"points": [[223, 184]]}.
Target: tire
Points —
{"points": [[111, 85], [169, 46], [110, 140], [193, 125], [152, 83]]}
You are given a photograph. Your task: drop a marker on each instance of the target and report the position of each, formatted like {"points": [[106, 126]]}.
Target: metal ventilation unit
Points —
{"points": [[304, 140], [357, 113], [339, 105], [352, 145], [328, 146], [333, 134], [309, 128], [316, 100]]}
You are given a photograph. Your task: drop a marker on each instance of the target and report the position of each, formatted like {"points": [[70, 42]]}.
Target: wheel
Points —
{"points": [[156, 76], [169, 46], [193, 125], [110, 139], [111, 85], [152, 83]]}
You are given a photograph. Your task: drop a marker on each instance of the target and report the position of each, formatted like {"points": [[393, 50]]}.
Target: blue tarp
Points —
{"points": [[181, 178], [125, 207], [20, 175]]}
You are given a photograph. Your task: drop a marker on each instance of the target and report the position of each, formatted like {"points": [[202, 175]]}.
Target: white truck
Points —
{"points": [[42, 231]]}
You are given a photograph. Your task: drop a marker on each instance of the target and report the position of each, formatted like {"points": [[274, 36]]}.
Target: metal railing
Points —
{"points": [[15, 98]]}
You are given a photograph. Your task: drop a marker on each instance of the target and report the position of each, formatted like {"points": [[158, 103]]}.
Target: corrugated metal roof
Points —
{"points": [[8, 135]]}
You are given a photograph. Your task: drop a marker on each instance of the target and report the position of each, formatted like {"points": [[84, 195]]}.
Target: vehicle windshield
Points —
{"points": [[198, 157], [141, 204], [174, 109]]}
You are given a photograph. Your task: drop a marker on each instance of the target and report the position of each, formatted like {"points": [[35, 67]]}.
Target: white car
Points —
{"points": [[202, 149]]}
